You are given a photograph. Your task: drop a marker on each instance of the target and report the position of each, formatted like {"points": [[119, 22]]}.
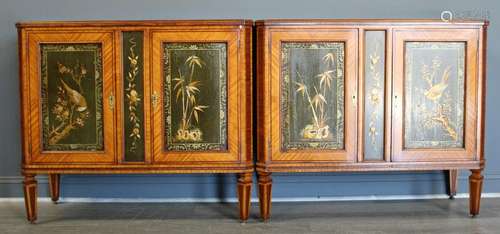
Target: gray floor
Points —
{"points": [[422, 216]]}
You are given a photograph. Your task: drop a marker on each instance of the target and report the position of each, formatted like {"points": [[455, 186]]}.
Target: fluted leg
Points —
{"points": [[452, 183], [54, 182], [475, 187], [265, 184], [244, 193], [30, 196]]}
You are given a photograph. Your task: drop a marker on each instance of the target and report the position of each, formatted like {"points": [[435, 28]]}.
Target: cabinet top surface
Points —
{"points": [[395, 22], [135, 23], [248, 22]]}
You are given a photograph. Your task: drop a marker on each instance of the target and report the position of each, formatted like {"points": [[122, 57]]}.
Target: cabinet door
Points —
{"points": [[435, 94], [313, 84], [71, 97], [195, 100]]}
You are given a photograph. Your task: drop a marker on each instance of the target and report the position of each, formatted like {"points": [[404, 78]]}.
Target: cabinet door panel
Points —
{"points": [[313, 87], [434, 95], [72, 118], [312, 109], [195, 96], [196, 82], [436, 80]]}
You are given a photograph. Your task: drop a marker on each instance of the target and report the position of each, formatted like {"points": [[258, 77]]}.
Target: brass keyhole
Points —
{"points": [[154, 99], [111, 101]]}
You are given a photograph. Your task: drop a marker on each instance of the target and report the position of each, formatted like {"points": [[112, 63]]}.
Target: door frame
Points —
{"points": [[471, 38], [234, 116], [350, 39], [37, 154]]}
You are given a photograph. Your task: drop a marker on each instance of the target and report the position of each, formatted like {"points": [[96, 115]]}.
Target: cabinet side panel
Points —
{"points": [[262, 125], [24, 96]]}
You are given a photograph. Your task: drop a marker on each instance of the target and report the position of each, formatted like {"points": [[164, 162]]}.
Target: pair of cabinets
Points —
{"points": [[176, 97]]}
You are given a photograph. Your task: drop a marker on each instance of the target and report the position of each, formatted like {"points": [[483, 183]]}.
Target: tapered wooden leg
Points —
{"points": [[30, 196], [265, 184], [244, 193], [54, 183], [475, 188], [452, 183]]}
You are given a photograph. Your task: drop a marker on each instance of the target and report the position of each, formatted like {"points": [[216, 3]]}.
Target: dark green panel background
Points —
{"points": [[212, 77], [90, 136], [421, 131], [374, 91], [307, 58], [134, 146]]}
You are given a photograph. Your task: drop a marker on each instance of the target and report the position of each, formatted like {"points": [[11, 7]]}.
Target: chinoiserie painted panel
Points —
{"points": [[434, 94], [374, 92], [72, 97], [195, 96], [312, 101], [133, 95]]}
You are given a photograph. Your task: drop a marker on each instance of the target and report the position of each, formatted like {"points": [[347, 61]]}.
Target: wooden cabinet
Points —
{"points": [[135, 97], [370, 95]]}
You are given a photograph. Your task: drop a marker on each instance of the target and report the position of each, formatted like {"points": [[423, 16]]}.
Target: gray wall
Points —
{"points": [[213, 186]]}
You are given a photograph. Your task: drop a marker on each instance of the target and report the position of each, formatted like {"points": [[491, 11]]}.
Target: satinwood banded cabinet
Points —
{"points": [[148, 97], [370, 95]]}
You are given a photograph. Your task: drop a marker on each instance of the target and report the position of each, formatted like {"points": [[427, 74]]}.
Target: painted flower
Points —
{"points": [[65, 114], [83, 70], [133, 60], [62, 69], [58, 109], [79, 122], [85, 114], [374, 96], [136, 133], [133, 97]]}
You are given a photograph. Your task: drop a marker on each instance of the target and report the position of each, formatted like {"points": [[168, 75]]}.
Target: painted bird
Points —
{"points": [[436, 91], [75, 97]]}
